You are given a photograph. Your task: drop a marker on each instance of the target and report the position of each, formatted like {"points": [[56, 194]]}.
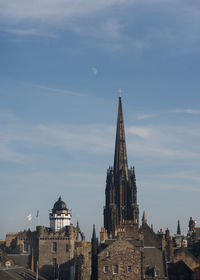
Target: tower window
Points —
{"points": [[115, 269], [129, 268], [105, 269], [54, 247]]}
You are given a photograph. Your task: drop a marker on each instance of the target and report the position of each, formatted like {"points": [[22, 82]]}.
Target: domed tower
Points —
{"points": [[60, 217]]}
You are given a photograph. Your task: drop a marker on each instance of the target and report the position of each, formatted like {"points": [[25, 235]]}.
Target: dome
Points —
{"points": [[59, 205]]}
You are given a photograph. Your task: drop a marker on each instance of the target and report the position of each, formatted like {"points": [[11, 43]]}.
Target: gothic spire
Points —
{"points": [[120, 158], [94, 242], [144, 218], [94, 233], [178, 228]]}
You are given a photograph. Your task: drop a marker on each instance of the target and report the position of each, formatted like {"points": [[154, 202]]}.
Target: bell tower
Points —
{"points": [[121, 191]]}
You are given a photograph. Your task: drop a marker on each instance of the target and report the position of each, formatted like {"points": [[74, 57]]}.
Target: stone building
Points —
{"points": [[120, 260], [126, 251], [185, 263], [58, 252]]}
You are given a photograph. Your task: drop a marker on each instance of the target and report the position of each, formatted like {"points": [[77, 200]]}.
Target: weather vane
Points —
{"points": [[120, 92]]}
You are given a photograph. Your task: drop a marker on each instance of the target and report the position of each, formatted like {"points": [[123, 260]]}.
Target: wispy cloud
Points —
{"points": [[155, 114], [9, 154], [146, 116], [31, 32], [186, 111], [54, 10], [94, 71], [166, 142], [57, 90], [50, 18], [143, 132]]}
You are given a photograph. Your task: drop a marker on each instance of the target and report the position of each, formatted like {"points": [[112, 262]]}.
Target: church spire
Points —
{"points": [[178, 228], [120, 158], [121, 190]]}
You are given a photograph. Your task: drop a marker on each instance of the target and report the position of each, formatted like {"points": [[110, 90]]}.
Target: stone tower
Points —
{"points": [[121, 191], [60, 217]]}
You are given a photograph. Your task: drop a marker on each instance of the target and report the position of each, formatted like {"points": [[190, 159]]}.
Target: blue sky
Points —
{"points": [[61, 65]]}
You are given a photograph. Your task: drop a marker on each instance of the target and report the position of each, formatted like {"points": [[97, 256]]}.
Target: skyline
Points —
{"points": [[61, 67]]}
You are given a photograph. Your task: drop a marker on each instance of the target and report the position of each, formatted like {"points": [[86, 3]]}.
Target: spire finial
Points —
{"points": [[144, 218], [77, 224], [120, 91]]}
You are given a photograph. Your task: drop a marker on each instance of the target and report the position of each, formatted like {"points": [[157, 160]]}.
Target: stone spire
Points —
{"points": [[191, 224], [144, 218], [178, 228], [121, 190], [94, 233], [120, 158], [94, 243]]}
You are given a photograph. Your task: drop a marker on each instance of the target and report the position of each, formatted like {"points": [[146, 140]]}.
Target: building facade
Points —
{"points": [[58, 252], [126, 251]]}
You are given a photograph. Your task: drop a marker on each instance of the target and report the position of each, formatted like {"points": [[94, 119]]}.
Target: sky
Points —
{"points": [[61, 65]]}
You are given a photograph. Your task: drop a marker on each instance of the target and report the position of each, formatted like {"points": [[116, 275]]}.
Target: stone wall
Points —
{"points": [[120, 260]]}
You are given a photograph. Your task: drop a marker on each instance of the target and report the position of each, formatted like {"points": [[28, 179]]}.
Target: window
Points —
{"points": [[54, 247], [105, 269], [26, 247], [129, 268], [115, 269], [67, 248], [108, 254]]}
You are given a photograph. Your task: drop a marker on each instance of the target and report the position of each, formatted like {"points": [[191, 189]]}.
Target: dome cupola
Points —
{"points": [[59, 205], [60, 217]]}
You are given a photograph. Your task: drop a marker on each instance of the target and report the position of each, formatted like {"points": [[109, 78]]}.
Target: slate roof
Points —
{"points": [[153, 258]]}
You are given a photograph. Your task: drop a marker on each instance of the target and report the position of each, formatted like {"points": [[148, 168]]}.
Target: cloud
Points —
{"points": [[146, 116], [142, 132], [94, 71], [8, 154], [31, 32], [20, 143], [114, 24], [112, 28], [172, 111], [56, 90], [53, 10], [186, 111]]}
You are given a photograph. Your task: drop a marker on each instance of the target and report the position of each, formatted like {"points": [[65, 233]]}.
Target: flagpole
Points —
{"points": [[38, 218]]}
